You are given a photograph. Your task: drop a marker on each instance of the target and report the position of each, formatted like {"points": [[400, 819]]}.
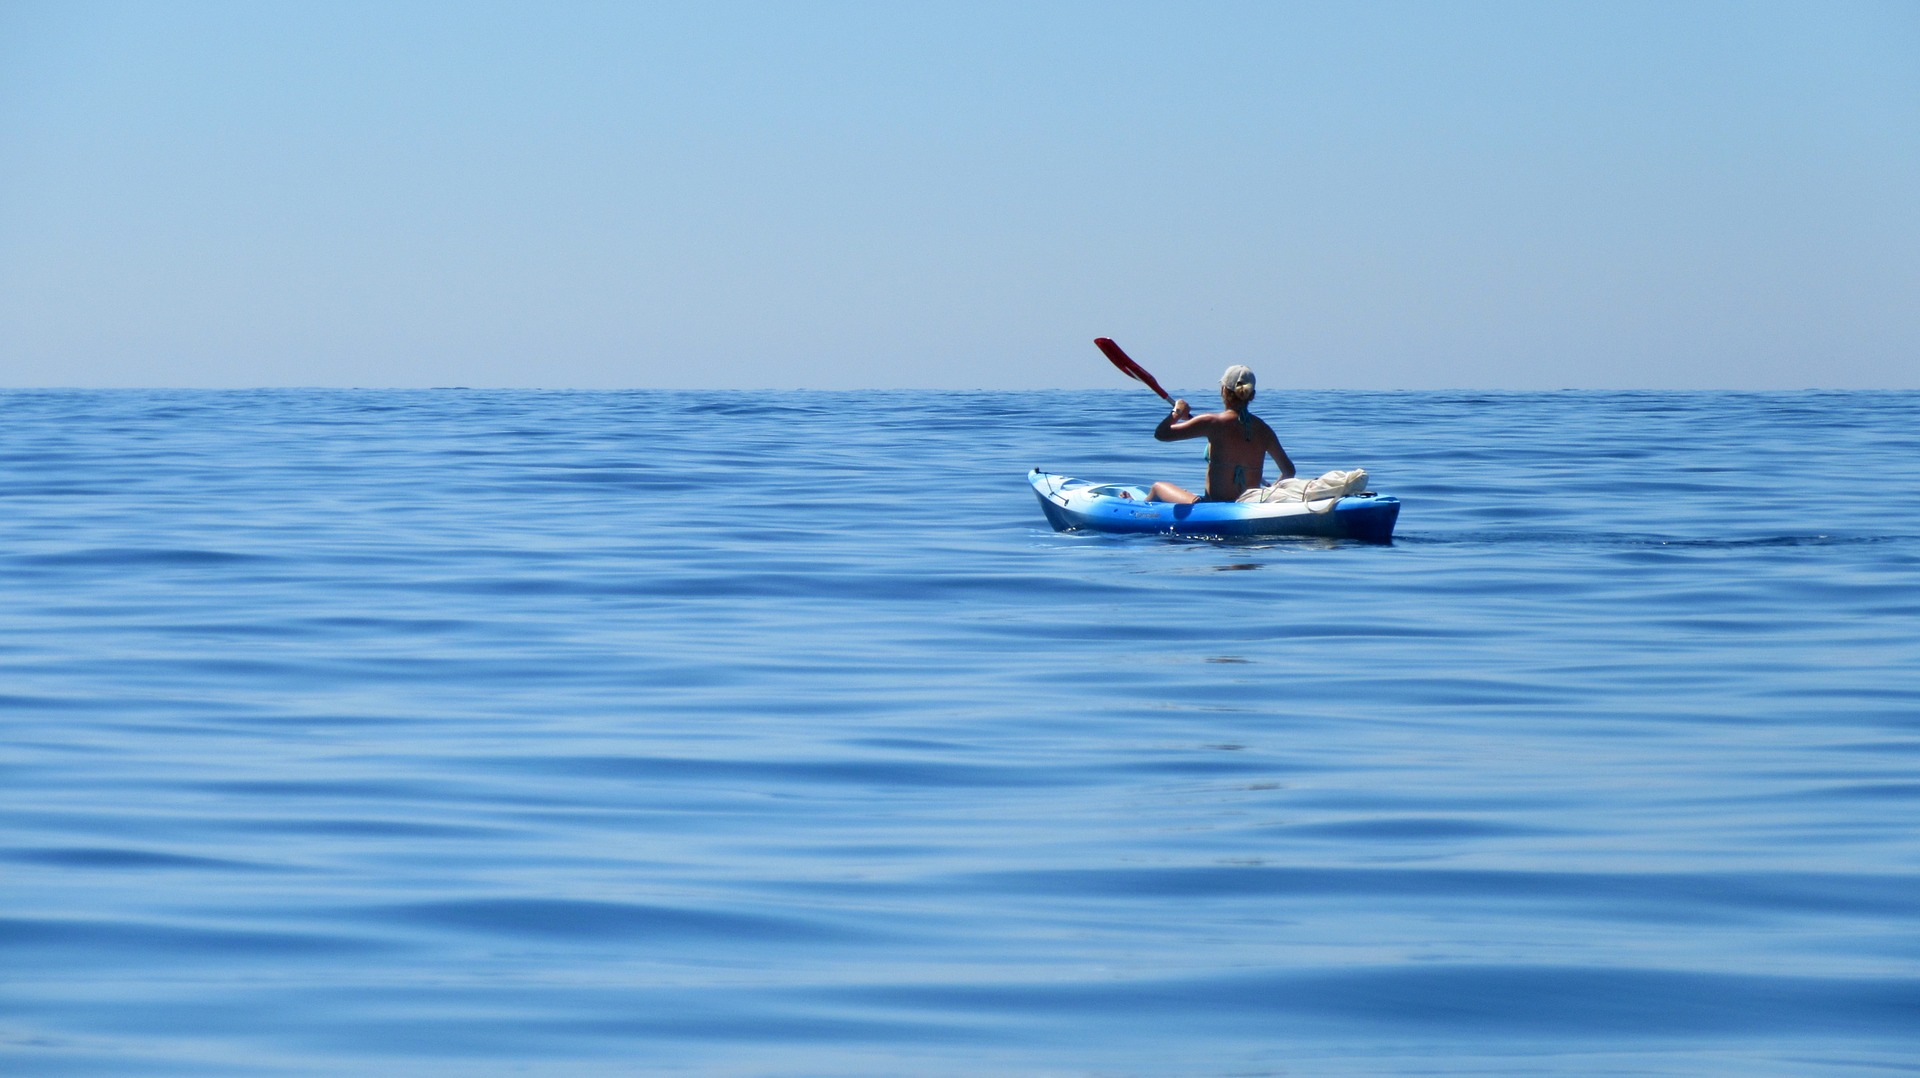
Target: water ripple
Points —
{"points": [[456, 731]]}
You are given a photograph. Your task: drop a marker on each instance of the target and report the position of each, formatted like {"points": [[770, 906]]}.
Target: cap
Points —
{"points": [[1236, 377]]}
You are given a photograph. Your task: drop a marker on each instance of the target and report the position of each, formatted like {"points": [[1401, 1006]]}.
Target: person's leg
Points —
{"points": [[1167, 492]]}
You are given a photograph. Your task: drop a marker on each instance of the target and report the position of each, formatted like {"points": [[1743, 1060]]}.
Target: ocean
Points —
{"points": [[553, 733]]}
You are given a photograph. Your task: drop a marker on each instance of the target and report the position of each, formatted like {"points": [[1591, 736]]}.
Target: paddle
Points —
{"points": [[1128, 367]]}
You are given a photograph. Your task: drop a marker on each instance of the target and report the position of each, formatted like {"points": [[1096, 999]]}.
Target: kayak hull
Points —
{"points": [[1077, 505]]}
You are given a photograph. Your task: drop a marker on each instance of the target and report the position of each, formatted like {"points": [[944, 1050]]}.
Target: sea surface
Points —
{"points": [[472, 732]]}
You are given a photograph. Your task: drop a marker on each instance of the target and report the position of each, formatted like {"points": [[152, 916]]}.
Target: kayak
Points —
{"points": [[1076, 504]]}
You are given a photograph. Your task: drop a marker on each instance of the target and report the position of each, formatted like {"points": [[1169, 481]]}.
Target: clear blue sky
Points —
{"points": [[1366, 195]]}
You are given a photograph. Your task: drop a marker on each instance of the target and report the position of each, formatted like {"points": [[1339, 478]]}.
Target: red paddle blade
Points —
{"points": [[1128, 367]]}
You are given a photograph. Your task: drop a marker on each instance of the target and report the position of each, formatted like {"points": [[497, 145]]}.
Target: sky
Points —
{"points": [[960, 195]]}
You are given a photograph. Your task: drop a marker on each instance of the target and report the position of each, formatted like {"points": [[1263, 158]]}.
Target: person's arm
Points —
{"points": [[1279, 455], [1179, 424]]}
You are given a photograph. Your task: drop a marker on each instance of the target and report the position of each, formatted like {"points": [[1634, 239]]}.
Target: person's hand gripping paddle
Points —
{"points": [[1128, 367]]}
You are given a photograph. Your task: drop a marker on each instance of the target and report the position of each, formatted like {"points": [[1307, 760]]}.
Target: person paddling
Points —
{"points": [[1238, 443]]}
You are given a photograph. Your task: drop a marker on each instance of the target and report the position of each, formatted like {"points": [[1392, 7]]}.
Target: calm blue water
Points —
{"points": [[576, 733]]}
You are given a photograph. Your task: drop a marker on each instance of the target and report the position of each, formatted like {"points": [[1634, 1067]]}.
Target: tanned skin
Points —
{"points": [[1230, 443]]}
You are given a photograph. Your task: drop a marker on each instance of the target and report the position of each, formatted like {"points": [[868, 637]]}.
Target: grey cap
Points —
{"points": [[1236, 377]]}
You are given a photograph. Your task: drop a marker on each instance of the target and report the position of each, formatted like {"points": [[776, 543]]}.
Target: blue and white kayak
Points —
{"points": [[1076, 504]]}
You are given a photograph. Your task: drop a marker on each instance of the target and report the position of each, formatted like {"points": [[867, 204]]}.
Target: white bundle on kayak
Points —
{"points": [[1334, 484]]}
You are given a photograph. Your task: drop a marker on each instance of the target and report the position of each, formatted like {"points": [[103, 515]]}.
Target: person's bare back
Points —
{"points": [[1238, 443]]}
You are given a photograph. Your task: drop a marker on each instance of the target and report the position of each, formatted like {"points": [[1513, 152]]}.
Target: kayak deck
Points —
{"points": [[1076, 505]]}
